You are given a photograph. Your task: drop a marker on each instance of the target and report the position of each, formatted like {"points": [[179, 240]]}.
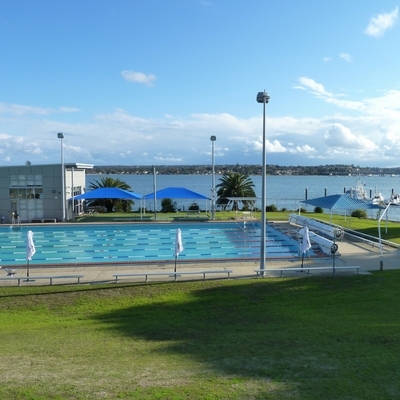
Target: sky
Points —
{"points": [[148, 82]]}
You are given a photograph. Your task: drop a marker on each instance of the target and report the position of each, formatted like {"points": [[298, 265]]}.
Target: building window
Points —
{"points": [[26, 196]]}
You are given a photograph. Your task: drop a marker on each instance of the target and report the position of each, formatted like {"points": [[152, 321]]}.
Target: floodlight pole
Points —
{"points": [[262, 97], [61, 136], [155, 189], [213, 139]]}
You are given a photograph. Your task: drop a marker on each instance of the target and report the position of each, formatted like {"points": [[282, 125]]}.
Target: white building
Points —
{"points": [[35, 192]]}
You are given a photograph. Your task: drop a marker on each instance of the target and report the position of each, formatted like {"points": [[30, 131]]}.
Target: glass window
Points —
{"points": [[13, 180]]}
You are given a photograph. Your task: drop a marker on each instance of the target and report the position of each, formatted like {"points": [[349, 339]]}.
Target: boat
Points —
{"points": [[378, 199], [357, 192], [394, 199]]}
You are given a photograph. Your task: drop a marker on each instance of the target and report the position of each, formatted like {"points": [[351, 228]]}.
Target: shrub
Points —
{"points": [[318, 210], [271, 208], [167, 206], [194, 207], [359, 214]]}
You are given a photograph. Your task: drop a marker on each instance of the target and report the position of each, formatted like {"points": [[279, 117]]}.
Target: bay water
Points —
{"points": [[285, 191]]}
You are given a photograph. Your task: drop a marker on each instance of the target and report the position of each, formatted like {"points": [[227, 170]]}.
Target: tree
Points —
{"points": [[235, 184], [167, 206], [124, 205]]}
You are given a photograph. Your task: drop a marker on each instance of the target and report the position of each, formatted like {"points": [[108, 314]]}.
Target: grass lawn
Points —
{"points": [[312, 338]]}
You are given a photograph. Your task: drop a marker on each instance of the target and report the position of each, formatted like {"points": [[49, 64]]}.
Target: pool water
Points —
{"points": [[130, 243]]}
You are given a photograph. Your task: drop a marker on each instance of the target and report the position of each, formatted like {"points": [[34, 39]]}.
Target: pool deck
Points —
{"points": [[352, 253]]}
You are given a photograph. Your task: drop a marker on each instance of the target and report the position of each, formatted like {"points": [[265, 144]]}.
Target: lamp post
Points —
{"points": [[61, 136], [155, 189], [213, 139], [72, 194], [262, 97]]}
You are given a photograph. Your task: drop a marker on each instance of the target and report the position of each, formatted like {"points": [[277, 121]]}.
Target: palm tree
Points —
{"points": [[235, 184], [111, 204]]}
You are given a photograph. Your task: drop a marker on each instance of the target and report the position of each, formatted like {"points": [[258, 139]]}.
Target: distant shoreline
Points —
{"points": [[246, 169]]}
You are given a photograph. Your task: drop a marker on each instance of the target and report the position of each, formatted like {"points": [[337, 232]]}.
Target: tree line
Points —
{"points": [[246, 169]]}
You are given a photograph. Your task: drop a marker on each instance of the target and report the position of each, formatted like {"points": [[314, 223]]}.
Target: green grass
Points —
{"points": [[311, 338]]}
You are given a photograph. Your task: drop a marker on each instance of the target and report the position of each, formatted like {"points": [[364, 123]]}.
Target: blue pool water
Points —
{"points": [[130, 243]]}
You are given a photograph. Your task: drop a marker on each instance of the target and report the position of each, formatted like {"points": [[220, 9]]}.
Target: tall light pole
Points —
{"points": [[262, 97], [61, 136], [155, 189], [213, 139]]}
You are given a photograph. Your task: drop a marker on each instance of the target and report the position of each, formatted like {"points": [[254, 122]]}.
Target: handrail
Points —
{"points": [[374, 239]]}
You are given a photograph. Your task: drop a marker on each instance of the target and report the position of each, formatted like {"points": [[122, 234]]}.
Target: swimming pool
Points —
{"points": [[131, 243]]}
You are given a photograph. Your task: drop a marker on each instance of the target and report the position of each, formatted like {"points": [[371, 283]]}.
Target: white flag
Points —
{"points": [[306, 240], [178, 243], [30, 246]]}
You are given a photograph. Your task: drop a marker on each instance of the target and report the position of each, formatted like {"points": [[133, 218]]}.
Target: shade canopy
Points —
{"points": [[108, 193], [340, 202], [176, 193]]}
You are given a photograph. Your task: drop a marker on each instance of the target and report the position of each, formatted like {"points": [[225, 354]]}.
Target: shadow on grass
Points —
{"points": [[276, 328]]}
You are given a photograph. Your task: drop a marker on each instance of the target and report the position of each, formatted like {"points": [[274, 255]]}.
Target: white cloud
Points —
{"points": [[18, 109], [339, 136], [139, 77], [380, 23], [319, 91], [270, 146], [68, 109], [346, 57], [305, 149], [327, 59], [315, 87], [366, 134]]}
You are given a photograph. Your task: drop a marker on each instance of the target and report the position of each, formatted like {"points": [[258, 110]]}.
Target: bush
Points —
{"points": [[318, 210], [359, 214], [194, 207], [167, 206], [271, 208]]}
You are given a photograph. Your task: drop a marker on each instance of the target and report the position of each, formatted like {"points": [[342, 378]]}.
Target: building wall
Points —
{"points": [[35, 191]]}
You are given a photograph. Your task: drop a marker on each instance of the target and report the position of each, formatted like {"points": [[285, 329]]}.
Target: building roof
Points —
{"points": [[340, 202], [108, 193], [176, 193]]}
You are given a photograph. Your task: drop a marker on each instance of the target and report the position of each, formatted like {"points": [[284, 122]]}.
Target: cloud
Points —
{"points": [[315, 87], [327, 59], [346, 57], [319, 91], [340, 136], [68, 109], [139, 77], [18, 109], [366, 134], [305, 149], [379, 24]]}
